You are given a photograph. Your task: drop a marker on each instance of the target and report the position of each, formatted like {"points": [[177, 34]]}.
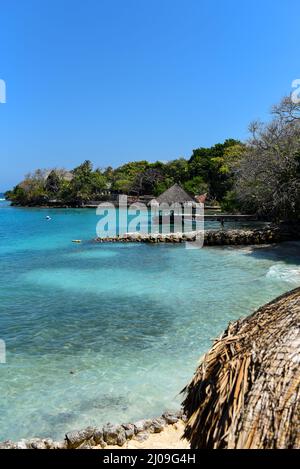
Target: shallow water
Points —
{"points": [[98, 333]]}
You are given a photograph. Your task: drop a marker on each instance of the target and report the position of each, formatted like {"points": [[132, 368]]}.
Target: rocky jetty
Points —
{"points": [[272, 234], [101, 437]]}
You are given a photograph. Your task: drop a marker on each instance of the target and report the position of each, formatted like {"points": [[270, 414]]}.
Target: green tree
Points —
{"points": [[125, 176], [146, 181], [178, 170], [53, 183], [123, 185], [213, 165], [196, 186], [81, 186], [98, 182]]}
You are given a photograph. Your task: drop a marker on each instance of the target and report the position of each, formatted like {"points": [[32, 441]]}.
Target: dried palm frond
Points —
{"points": [[246, 391]]}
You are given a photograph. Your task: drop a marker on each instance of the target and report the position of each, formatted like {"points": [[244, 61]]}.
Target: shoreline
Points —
{"points": [[168, 430], [272, 234], [148, 434], [171, 437], [237, 237]]}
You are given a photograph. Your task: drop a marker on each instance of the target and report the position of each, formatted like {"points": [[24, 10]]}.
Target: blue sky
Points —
{"points": [[121, 80]]}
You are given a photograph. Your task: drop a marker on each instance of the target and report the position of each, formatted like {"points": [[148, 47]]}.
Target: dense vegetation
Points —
{"points": [[267, 179], [261, 176], [208, 170]]}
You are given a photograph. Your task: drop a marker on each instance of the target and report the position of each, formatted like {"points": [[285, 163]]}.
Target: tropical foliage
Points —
{"points": [[208, 170], [261, 176]]}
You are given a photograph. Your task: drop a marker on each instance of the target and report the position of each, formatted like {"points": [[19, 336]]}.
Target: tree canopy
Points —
{"points": [[261, 176], [267, 179], [207, 170]]}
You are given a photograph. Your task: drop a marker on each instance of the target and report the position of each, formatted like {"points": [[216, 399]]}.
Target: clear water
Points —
{"points": [[112, 332]]}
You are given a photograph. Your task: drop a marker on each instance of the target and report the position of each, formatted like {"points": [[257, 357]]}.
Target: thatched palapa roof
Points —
{"points": [[246, 391], [62, 173], [175, 194]]}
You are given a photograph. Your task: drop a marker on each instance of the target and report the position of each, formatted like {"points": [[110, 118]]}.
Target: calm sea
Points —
{"points": [[97, 333]]}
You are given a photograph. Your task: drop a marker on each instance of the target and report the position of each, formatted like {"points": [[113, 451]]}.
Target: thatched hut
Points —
{"points": [[174, 205], [175, 195], [246, 391]]}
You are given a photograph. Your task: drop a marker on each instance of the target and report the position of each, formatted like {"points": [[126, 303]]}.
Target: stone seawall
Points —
{"points": [[101, 437], [211, 237]]}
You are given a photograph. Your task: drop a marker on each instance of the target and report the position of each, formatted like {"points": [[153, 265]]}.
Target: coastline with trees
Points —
{"points": [[260, 176], [207, 170]]}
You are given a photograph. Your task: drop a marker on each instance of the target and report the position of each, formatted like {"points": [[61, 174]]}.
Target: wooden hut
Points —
{"points": [[246, 391]]}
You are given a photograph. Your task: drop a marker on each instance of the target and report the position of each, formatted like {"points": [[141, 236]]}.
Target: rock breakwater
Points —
{"points": [[101, 437], [211, 237]]}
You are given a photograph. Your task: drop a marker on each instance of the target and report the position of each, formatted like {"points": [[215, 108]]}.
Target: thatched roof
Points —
{"points": [[175, 194], [246, 391], [62, 173]]}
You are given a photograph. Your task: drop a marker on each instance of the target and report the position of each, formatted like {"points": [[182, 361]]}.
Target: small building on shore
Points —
{"points": [[174, 206], [175, 195]]}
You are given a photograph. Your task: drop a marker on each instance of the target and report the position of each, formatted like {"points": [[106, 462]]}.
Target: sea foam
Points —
{"points": [[284, 273]]}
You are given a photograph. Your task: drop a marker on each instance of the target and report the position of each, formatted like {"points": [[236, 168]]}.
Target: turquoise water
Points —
{"points": [[112, 332]]}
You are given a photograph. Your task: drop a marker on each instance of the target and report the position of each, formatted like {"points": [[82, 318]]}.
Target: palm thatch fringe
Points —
{"points": [[246, 391]]}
